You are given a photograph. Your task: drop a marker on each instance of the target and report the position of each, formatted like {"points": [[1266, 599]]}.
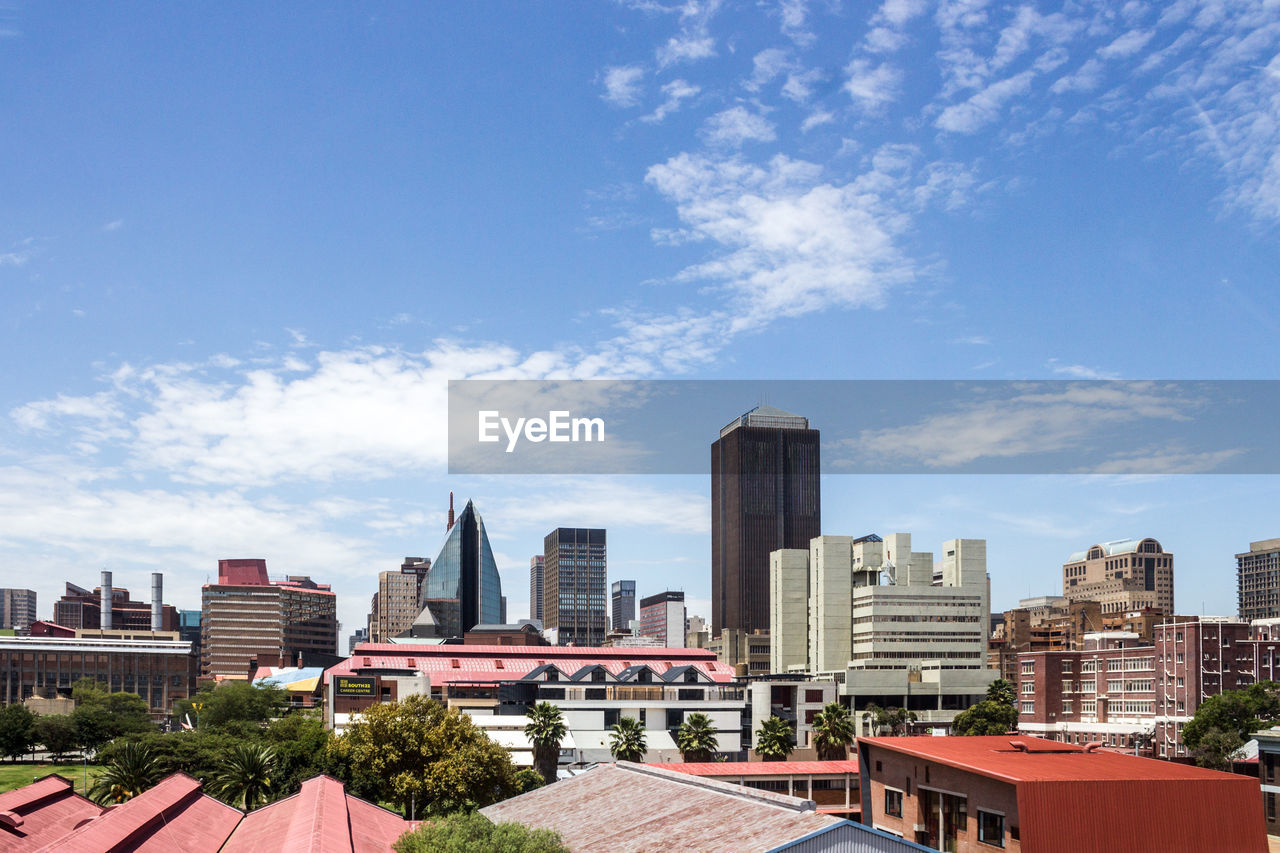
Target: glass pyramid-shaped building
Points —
{"points": [[463, 589]]}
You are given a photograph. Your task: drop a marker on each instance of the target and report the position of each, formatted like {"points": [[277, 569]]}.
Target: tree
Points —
{"points": [[234, 702], [17, 726], [132, 769], [245, 780], [301, 747], [696, 738], [1215, 748], [474, 833], [893, 719], [1002, 691], [988, 717], [545, 730], [528, 780], [427, 758], [56, 733], [774, 739], [627, 743], [101, 717], [1240, 711], [833, 731]]}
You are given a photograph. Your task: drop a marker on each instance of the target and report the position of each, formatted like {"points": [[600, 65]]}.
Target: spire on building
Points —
{"points": [[449, 525]]}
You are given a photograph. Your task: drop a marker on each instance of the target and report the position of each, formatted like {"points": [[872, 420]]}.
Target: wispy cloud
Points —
{"points": [[735, 126], [676, 92], [622, 85]]}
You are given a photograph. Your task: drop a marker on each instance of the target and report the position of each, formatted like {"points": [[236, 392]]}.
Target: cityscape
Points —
{"points": [[638, 426]]}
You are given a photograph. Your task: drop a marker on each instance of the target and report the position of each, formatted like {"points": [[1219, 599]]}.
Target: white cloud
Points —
{"points": [[735, 126], [985, 106], [113, 225], [765, 66], [1127, 44], [685, 49], [816, 119], [794, 14], [1084, 79], [677, 91], [622, 85], [871, 87], [799, 85], [1079, 371]]}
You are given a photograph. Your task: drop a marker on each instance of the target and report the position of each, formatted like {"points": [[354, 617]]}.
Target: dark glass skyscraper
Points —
{"points": [[624, 604], [463, 589], [765, 495]]}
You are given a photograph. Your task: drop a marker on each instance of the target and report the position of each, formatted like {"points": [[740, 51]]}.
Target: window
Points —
{"points": [[1028, 707], [812, 695], [892, 802], [1028, 687], [991, 828], [1028, 667]]}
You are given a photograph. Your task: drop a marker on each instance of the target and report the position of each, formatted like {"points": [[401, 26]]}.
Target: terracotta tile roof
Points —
{"points": [[644, 809]]}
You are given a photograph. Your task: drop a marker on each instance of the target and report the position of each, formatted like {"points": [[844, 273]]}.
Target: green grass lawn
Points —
{"points": [[16, 775]]}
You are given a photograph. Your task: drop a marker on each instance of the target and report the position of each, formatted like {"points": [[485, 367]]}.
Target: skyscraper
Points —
{"points": [[624, 604], [575, 589], [1258, 581], [1121, 575], [17, 608], [463, 588], [662, 617], [537, 570], [395, 604], [765, 495]]}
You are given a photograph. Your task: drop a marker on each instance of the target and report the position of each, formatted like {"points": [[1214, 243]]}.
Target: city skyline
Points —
{"points": [[243, 251]]}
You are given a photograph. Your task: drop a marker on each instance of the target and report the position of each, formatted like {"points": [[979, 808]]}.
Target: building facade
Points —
{"points": [[1258, 581], [395, 604], [893, 627], [1123, 575], [662, 617], [537, 580], [245, 615], [463, 588], [765, 495], [575, 594], [622, 602], [17, 608], [110, 606]]}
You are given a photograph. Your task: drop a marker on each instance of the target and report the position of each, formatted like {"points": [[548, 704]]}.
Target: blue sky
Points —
{"points": [[242, 249]]}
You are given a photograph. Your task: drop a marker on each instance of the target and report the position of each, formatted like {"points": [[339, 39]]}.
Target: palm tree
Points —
{"points": [[696, 739], [131, 770], [627, 742], [1002, 691], [773, 739], [245, 780], [833, 732], [545, 730]]}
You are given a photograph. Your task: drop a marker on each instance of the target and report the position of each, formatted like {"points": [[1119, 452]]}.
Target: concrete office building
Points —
{"points": [[537, 581], [765, 495], [1258, 581], [575, 598], [17, 608], [894, 627], [622, 600], [662, 617], [395, 604], [1123, 576], [245, 615]]}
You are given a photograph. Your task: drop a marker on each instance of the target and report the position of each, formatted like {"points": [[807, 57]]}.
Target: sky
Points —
{"points": [[244, 248]]}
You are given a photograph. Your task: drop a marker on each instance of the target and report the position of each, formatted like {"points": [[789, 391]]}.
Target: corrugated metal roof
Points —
{"points": [[760, 768]]}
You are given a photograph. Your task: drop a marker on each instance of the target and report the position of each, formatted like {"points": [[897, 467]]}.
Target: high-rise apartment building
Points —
{"points": [[765, 495], [17, 608], [463, 588], [575, 586], [1258, 581], [537, 574], [662, 617], [896, 625], [1122, 575], [395, 604], [623, 604], [246, 615]]}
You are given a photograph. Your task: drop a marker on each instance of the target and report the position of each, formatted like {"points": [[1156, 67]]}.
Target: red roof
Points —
{"points": [[480, 663], [761, 768], [1074, 801], [34, 815]]}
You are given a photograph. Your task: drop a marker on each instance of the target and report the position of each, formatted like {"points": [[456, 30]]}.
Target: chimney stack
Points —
{"points": [[157, 598], [106, 593], [449, 525]]}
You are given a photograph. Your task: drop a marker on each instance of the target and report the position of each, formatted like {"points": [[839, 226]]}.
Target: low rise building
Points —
{"points": [[974, 794], [747, 652]]}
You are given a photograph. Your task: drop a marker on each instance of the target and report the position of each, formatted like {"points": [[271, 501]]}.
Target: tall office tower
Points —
{"points": [[463, 588], [575, 588], [537, 571], [17, 608], [1123, 575], [662, 617], [1258, 581], [623, 604], [109, 606], [765, 495], [395, 605], [245, 615]]}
